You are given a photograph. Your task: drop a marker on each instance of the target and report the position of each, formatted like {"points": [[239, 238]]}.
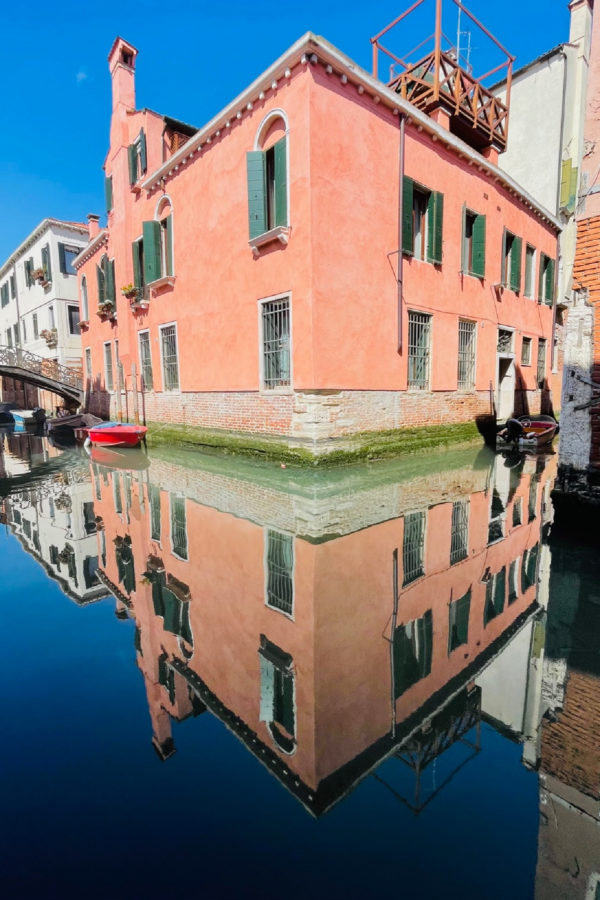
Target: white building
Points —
{"points": [[39, 304]]}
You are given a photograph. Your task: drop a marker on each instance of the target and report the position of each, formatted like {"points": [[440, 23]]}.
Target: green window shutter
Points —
{"points": [[515, 264], [549, 292], [504, 274], [565, 182], [46, 262], [257, 200], [100, 278], [151, 232], [479, 246], [132, 157], [528, 272], [435, 215], [137, 273], [543, 259], [28, 272], [280, 150], [108, 192], [407, 215], [169, 246], [143, 156], [573, 189], [62, 262], [463, 240], [110, 280]]}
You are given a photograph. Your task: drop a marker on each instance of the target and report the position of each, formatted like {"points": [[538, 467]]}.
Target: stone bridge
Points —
{"points": [[44, 373]]}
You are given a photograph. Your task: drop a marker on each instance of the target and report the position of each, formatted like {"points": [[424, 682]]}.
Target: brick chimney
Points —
{"points": [[121, 62], [93, 225]]}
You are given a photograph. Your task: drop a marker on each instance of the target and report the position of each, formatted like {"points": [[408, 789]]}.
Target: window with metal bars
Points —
{"points": [[276, 343], [419, 348], [170, 361], [179, 540], [413, 547], [541, 362], [280, 567], [466, 355], [146, 360], [459, 544], [108, 367]]}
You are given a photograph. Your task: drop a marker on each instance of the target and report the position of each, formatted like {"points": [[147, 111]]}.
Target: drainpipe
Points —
{"points": [[400, 204]]}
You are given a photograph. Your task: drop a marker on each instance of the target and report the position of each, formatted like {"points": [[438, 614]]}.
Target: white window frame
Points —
{"points": [[277, 609], [529, 289], [187, 536], [89, 372], [525, 338], [161, 328], [286, 388], [71, 306], [108, 344], [85, 308], [140, 333]]}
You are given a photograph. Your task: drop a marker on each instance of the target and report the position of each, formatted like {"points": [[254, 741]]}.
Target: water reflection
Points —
{"points": [[364, 625], [331, 626]]}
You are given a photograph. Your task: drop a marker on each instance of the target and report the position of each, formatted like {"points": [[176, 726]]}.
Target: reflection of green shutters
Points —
{"points": [[458, 631], [479, 246], [283, 712], [280, 151], [515, 264], [435, 215], [108, 193], [412, 652], [169, 244], [151, 237], [257, 199], [132, 158], [407, 215]]}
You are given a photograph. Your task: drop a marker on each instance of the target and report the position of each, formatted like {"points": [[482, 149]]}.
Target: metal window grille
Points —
{"points": [[541, 363], [526, 352], [108, 367], [179, 527], [168, 340], [459, 546], [419, 333], [276, 343], [517, 512], [413, 546], [466, 355], [146, 360], [504, 341], [154, 500], [280, 564]]}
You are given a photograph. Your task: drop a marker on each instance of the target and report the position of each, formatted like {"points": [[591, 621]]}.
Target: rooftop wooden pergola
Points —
{"points": [[438, 81]]}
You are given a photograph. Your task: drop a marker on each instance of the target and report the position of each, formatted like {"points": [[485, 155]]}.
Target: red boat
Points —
{"points": [[115, 434]]}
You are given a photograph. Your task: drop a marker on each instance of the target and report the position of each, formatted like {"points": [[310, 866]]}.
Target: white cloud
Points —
{"points": [[81, 76]]}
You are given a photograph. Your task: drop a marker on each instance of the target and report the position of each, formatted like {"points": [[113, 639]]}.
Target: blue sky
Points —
{"points": [[194, 57]]}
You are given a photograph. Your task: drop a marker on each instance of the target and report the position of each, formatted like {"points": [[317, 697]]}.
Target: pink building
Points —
{"points": [[250, 273]]}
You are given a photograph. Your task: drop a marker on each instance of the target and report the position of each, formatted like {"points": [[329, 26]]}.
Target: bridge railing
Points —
{"points": [[16, 357]]}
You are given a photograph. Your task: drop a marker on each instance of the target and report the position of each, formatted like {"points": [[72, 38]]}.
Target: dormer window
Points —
{"points": [[137, 158]]}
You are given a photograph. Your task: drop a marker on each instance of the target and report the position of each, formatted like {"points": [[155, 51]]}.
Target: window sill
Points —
{"points": [[165, 281], [280, 233], [136, 188], [276, 391]]}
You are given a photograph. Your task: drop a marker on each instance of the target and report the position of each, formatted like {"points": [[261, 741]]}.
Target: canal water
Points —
{"points": [[223, 679]]}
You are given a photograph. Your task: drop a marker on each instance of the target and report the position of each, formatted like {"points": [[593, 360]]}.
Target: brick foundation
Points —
{"points": [[309, 417]]}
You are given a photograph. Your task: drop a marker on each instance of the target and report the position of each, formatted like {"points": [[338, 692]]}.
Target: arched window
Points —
{"points": [[153, 256], [267, 167], [105, 273], [85, 313]]}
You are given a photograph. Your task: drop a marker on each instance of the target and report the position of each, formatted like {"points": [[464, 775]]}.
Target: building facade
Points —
{"points": [[249, 280], [39, 304]]}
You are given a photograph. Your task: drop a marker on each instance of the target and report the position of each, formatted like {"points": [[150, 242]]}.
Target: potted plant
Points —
{"points": [[50, 335], [130, 291], [38, 274]]}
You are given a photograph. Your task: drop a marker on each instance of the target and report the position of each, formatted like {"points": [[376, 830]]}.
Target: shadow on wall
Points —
{"points": [[97, 398]]}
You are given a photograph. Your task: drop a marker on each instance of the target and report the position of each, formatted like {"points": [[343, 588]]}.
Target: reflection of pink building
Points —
{"points": [[297, 644], [260, 259]]}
